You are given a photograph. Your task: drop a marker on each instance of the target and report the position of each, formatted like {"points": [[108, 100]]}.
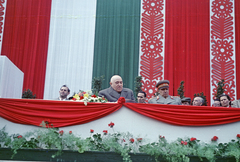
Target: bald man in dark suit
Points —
{"points": [[116, 90]]}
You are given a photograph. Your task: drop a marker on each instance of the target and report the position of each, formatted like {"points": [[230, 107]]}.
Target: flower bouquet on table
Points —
{"points": [[87, 96]]}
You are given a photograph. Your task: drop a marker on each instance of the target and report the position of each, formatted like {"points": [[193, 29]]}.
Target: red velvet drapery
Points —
{"points": [[26, 31], [33, 112], [68, 113], [25, 40], [187, 46], [237, 38]]}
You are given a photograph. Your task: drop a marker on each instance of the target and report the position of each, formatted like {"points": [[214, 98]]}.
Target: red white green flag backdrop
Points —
{"points": [[57, 42]]}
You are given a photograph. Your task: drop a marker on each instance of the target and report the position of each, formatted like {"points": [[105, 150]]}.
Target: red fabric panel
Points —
{"points": [[25, 40], [67, 113], [237, 39], [60, 113], [187, 46]]}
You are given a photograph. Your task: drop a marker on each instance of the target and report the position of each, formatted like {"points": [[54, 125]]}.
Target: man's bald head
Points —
{"points": [[198, 101], [116, 83]]}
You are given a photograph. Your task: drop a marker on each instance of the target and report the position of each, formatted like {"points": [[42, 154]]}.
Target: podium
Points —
{"points": [[11, 79]]}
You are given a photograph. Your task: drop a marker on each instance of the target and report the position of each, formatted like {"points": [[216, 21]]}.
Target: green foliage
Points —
{"points": [[50, 138], [156, 149], [4, 138], [220, 88], [95, 143], [203, 96], [232, 149], [181, 90], [179, 150], [97, 84], [208, 150], [138, 85], [28, 94]]}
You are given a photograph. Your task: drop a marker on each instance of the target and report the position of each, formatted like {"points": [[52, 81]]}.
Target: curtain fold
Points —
{"points": [[68, 113], [116, 48], [60, 114], [25, 40], [187, 115]]}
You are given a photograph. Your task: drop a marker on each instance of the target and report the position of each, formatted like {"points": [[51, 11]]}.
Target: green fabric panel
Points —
{"points": [[117, 34]]}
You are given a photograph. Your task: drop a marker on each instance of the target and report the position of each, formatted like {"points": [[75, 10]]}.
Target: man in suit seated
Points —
{"points": [[164, 97], [116, 90], [63, 93], [141, 97]]}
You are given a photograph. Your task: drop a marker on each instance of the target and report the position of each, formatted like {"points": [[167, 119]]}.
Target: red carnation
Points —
{"points": [[91, 130], [131, 140], [105, 132], [139, 139], [193, 139], [81, 98], [111, 124], [19, 136], [215, 138], [70, 132], [61, 132], [74, 99], [183, 142], [238, 135], [94, 96], [161, 137]]}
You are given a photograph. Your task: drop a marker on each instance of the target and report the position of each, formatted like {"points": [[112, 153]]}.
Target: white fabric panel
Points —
{"points": [[11, 79], [71, 46]]}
